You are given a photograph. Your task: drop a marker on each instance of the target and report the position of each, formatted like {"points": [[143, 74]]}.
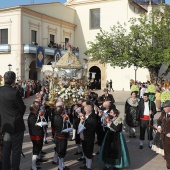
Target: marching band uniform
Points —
{"points": [[61, 124], [36, 136]]}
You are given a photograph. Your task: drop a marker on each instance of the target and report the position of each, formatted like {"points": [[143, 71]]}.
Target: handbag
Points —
{"points": [[68, 129], [41, 123], [80, 128]]}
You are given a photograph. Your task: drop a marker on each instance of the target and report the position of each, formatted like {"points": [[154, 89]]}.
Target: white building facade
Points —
{"points": [[76, 22]]}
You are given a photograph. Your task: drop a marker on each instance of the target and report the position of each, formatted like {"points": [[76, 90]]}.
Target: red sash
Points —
{"points": [[35, 137], [145, 117]]}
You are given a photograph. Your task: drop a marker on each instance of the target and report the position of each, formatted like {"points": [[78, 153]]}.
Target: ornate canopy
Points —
{"points": [[69, 60]]}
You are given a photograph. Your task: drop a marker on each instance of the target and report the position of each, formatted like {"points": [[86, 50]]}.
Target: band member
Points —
{"points": [[75, 118], [145, 115], [59, 105], [89, 124], [114, 152], [164, 129], [101, 123], [61, 123], [36, 134], [75, 126]]}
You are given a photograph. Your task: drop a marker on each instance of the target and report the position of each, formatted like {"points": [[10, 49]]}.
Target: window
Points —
{"points": [[95, 18], [33, 36], [52, 38], [3, 36]]}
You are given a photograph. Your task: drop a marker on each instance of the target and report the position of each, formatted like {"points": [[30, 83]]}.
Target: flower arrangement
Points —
{"points": [[69, 94]]}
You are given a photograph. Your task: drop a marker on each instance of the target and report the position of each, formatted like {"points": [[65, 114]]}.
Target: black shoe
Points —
{"points": [[38, 167], [42, 160], [88, 169], [71, 139], [150, 147], [80, 159], [134, 136], [83, 167], [106, 168], [78, 153], [43, 153], [46, 142], [97, 153], [96, 142], [66, 168], [140, 147], [130, 136], [55, 163]]}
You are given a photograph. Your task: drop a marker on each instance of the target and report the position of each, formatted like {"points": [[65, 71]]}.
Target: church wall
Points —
{"points": [[121, 77], [56, 10], [111, 12]]}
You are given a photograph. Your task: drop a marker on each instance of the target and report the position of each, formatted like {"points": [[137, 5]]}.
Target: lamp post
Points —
{"points": [[135, 68], [86, 76], [10, 66]]}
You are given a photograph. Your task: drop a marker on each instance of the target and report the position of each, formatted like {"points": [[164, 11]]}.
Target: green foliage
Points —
{"points": [[146, 45]]}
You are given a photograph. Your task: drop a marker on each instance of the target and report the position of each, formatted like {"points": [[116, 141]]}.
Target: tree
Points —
{"points": [[146, 45]]}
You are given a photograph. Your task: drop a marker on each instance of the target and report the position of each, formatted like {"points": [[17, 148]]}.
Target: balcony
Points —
{"points": [[5, 48], [30, 48], [49, 51]]}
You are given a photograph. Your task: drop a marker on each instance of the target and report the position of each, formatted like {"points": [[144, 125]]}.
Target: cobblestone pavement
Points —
{"points": [[140, 159]]}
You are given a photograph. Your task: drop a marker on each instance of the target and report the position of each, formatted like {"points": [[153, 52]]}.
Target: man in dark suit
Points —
{"points": [[90, 124], [145, 115], [12, 109], [106, 95]]}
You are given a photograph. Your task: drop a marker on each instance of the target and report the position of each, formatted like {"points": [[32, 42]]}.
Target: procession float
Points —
{"points": [[71, 81]]}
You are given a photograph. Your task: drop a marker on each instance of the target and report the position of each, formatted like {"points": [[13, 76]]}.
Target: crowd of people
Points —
{"points": [[140, 108], [94, 117]]}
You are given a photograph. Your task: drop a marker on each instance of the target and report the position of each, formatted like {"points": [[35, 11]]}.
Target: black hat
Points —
{"points": [[166, 104]]}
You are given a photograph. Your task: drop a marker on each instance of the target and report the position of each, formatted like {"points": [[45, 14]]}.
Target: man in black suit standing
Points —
{"points": [[12, 109], [89, 122], [145, 114]]}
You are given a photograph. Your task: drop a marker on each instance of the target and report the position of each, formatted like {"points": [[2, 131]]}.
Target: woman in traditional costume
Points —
{"points": [[114, 152], [131, 107]]}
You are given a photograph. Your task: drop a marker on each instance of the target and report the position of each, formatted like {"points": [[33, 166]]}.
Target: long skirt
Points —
{"points": [[124, 160]]}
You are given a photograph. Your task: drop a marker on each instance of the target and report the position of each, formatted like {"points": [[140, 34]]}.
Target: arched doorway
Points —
{"points": [[33, 71], [95, 69]]}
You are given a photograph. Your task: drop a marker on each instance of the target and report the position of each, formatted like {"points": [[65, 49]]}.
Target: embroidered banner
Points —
{"points": [[57, 54], [40, 57]]}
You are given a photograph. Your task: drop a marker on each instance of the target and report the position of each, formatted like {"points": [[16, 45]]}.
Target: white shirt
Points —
{"points": [[146, 108], [103, 117], [142, 91]]}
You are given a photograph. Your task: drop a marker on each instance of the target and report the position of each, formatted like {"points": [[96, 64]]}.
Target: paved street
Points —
{"points": [[140, 159]]}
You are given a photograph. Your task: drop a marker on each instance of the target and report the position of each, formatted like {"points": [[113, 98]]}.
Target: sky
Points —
{"points": [[9, 3]]}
